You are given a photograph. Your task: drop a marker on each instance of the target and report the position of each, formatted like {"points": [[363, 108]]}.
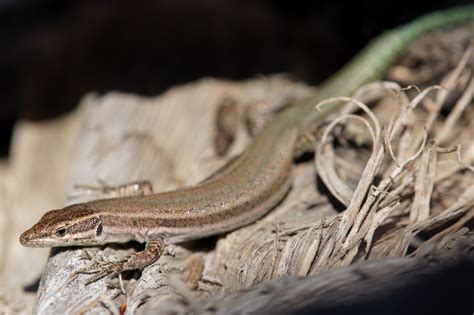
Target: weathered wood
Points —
{"points": [[168, 140]]}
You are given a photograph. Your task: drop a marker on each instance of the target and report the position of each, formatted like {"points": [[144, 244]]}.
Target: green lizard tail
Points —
{"points": [[373, 61]]}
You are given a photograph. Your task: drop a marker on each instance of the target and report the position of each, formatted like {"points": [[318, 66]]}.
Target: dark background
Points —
{"points": [[53, 52]]}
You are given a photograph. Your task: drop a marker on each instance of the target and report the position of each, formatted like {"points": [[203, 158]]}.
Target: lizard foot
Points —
{"points": [[100, 268], [104, 190]]}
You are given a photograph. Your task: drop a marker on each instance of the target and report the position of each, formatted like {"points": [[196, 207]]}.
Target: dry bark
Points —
{"points": [[401, 171]]}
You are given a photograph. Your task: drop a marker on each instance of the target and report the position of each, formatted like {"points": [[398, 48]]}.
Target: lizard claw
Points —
{"points": [[100, 268], [110, 270]]}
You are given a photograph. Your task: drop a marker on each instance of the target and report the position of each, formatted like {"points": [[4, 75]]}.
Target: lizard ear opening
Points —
{"points": [[100, 227]]}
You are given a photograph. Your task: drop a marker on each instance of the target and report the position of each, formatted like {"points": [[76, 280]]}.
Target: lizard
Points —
{"points": [[239, 194]]}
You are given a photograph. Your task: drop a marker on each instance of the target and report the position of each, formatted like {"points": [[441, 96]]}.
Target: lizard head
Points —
{"points": [[77, 224]]}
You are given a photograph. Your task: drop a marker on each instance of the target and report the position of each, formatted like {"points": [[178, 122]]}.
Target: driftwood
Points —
{"points": [[372, 287], [401, 172]]}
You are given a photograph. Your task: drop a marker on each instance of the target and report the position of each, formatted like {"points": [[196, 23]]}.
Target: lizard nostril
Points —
{"points": [[23, 238]]}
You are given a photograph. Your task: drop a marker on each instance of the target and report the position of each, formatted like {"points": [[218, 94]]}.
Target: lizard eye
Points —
{"points": [[61, 232]]}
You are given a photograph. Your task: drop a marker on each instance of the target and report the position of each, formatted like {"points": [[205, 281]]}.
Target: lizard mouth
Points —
{"points": [[28, 239]]}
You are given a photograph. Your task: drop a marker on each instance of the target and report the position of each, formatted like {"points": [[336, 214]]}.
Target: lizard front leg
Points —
{"points": [[102, 268]]}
